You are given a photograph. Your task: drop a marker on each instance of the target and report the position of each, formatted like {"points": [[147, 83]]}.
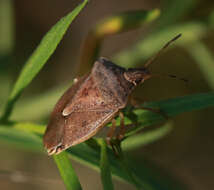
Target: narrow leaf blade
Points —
{"points": [[171, 107], [105, 167], [67, 172], [40, 56]]}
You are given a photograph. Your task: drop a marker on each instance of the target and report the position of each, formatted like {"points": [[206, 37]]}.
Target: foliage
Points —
{"points": [[95, 153]]}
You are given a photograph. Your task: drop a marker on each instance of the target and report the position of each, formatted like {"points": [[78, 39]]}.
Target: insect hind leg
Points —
{"points": [[115, 143]]}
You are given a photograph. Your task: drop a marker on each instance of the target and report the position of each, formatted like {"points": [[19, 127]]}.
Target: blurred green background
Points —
{"points": [[186, 153]]}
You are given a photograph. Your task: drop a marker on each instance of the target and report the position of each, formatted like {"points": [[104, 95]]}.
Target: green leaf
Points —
{"points": [[30, 127], [67, 172], [20, 138], [171, 107], [104, 166], [90, 156], [40, 56], [81, 153], [145, 138]]}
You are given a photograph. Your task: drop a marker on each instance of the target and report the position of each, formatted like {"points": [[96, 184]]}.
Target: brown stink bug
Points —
{"points": [[92, 102]]}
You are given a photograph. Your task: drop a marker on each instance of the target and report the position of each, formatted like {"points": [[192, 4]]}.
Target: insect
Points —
{"points": [[92, 102]]}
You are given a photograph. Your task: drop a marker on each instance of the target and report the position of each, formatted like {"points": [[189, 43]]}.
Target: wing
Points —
{"points": [[80, 126], [78, 115]]}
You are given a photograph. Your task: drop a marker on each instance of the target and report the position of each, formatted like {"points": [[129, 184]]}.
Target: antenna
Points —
{"points": [[152, 59], [170, 76]]}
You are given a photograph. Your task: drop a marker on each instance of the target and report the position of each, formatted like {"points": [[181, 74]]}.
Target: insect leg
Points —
{"points": [[114, 143], [155, 110], [111, 132], [122, 131], [135, 104]]}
